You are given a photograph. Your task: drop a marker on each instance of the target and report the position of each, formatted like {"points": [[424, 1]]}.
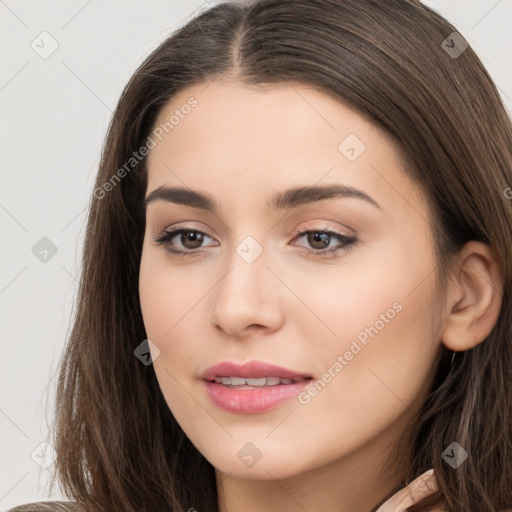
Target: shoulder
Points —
{"points": [[48, 506]]}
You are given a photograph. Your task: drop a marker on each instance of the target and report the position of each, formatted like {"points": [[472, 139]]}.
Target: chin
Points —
{"points": [[260, 460]]}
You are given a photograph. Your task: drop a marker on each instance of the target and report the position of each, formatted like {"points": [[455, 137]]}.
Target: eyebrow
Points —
{"points": [[281, 201]]}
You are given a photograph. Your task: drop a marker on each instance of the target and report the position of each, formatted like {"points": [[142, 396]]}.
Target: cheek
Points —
{"points": [[373, 386], [378, 365], [167, 293], [168, 301], [173, 299]]}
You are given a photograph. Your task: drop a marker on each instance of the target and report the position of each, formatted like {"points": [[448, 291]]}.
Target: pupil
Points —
{"points": [[192, 236], [319, 237]]}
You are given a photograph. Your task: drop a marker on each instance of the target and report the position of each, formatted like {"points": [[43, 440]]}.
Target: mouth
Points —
{"points": [[253, 387]]}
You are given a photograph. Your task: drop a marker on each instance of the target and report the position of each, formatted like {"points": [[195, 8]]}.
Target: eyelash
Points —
{"points": [[348, 242]]}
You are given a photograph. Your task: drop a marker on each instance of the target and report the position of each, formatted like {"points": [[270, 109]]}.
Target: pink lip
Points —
{"points": [[251, 369], [252, 400]]}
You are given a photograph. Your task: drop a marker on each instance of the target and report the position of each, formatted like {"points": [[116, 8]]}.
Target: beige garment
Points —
{"points": [[422, 486]]}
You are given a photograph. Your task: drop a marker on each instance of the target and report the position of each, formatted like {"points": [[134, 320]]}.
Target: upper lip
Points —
{"points": [[251, 369]]}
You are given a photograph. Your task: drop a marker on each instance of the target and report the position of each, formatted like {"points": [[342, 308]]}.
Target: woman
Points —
{"points": [[296, 281]]}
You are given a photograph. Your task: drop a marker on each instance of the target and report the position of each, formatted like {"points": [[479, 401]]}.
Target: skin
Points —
{"points": [[241, 145]]}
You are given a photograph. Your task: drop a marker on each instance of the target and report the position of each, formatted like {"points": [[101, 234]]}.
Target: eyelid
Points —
{"points": [[175, 230]]}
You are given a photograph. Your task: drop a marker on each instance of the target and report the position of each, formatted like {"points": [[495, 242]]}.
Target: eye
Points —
{"points": [[190, 240], [320, 240]]}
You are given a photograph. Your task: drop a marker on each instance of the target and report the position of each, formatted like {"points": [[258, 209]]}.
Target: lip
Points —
{"points": [[251, 369], [256, 399]]}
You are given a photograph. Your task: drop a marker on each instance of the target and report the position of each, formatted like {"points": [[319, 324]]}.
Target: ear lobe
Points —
{"points": [[474, 298]]}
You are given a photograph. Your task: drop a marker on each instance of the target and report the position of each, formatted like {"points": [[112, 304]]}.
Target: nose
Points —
{"points": [[248, 298]]}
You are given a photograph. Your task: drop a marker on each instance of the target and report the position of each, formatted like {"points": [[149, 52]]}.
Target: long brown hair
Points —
{"points": [[118, 446]]}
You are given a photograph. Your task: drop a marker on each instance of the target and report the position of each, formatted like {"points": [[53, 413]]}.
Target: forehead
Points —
{"points": [[270, 115], [217, 134]]}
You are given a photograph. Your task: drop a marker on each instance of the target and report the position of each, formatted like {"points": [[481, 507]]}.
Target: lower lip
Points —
{"points": [[254, 400]]}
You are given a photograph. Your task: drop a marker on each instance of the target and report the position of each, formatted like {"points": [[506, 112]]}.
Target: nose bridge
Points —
{"points": [[245, 294], [247, 263]]}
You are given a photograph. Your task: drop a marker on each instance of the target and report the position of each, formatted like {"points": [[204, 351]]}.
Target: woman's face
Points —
{"points": [[356, 328]]}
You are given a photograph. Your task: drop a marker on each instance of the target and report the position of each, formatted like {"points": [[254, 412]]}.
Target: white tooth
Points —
{"points": [[257, 381]]}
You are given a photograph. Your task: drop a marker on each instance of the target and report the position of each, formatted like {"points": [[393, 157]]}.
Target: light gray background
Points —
{"points": [[55, 112]]}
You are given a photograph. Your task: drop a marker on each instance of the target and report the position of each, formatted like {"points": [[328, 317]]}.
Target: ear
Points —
{"points": [[473, 299]]}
